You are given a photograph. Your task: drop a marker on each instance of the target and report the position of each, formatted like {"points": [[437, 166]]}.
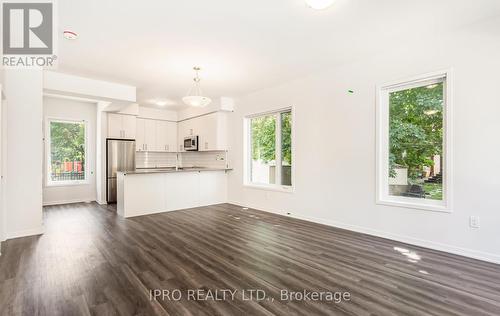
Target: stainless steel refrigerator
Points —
{"points": [[120, 156]]}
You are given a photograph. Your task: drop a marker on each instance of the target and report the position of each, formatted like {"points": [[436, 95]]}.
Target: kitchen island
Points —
{"points": [[150, 191]]}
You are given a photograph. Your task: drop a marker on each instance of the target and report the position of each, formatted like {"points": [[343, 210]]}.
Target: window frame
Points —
{"points": [[382, 140], [247, 151], [48, 156]]}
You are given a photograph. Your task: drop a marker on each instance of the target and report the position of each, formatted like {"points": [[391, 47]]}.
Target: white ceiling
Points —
{"points": [[242, 45]]}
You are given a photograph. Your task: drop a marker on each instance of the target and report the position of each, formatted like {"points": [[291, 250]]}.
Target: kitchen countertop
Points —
{"points": [[174, 170]]}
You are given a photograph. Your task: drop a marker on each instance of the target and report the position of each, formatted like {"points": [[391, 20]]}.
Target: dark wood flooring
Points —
{"points": [[91, 262]]}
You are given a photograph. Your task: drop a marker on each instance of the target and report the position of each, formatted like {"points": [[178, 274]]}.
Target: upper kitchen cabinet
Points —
{"points": [[121, 126], [156, 135], [211, 130], [146, 135], [166, 136], [140, 140], [184, 129]]}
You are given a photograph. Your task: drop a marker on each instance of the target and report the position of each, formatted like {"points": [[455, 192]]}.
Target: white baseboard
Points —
{"points": [[102, 202], [25, 233], [466, 252], [48, 203]]}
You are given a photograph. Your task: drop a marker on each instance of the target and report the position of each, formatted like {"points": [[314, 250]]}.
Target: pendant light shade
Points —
{"points": [[195, 97]]}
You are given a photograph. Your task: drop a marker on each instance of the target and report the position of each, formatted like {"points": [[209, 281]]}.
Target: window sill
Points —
{"points": [[66, 184], [410, 203], [276, 188]]}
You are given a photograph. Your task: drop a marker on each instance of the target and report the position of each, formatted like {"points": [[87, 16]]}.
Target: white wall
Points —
{"points": [[23, 175], [76, 110], [335, 144], [157, 114], [2, 153], [101, 134], [81, 86], [220, 104]]}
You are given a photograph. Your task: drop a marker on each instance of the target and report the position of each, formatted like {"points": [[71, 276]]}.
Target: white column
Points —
{"points": [[2, 163], [101, 134], [24, 152]]}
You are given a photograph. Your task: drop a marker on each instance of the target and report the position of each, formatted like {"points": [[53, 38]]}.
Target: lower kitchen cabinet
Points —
{"points": [[210, 188], [149, 193]]}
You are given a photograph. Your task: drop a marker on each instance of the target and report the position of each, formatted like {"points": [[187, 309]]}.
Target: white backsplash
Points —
{"points": [[207, 159], [155, 160], [212, 159]]}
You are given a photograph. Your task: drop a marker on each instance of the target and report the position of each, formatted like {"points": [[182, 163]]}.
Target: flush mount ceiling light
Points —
{"points": [[194, 96], [70, 35], [319, 4]]}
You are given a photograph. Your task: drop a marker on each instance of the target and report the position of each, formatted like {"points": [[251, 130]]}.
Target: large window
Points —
{"points": [[413, 143], [66, 152], [269, 149]]}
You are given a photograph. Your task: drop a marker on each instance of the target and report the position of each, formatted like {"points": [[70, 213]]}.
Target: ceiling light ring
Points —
{"points": [[319, 4]]}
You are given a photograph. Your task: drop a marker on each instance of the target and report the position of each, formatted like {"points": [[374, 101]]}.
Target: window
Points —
{"points": [[269, 150], [413, 143], [66, 152]]}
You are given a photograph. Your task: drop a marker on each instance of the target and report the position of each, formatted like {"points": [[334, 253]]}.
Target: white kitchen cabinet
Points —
{"points": [[172, 136], [166, 136], [181, 190], [150, 135], [148, 190], [213, 132], [142, 194], [114, 125], [213, 186], [129, 126], [184, 129], [146, 131], [121, 126], [140, 140], [161, 136], [210, 128], [156, 135]]}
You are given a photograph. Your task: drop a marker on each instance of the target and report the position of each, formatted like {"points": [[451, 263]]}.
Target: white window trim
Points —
{"points": [[48, 158], [247, 141], [382, 136]]}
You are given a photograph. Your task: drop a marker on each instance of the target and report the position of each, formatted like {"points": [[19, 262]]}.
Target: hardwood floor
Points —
{"points": [[91, 262]]}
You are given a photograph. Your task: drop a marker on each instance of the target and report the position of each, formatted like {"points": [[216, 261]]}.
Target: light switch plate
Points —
{"points": [[474, 222]]}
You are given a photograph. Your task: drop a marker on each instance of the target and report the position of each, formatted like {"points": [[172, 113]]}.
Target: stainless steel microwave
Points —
{"points": [[191, 143]]}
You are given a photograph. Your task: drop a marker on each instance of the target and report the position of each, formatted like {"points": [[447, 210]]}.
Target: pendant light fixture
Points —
{"points": [[194, 96]]}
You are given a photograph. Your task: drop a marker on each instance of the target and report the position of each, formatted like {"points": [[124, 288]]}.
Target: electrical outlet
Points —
{"points": [[474, 222]]}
